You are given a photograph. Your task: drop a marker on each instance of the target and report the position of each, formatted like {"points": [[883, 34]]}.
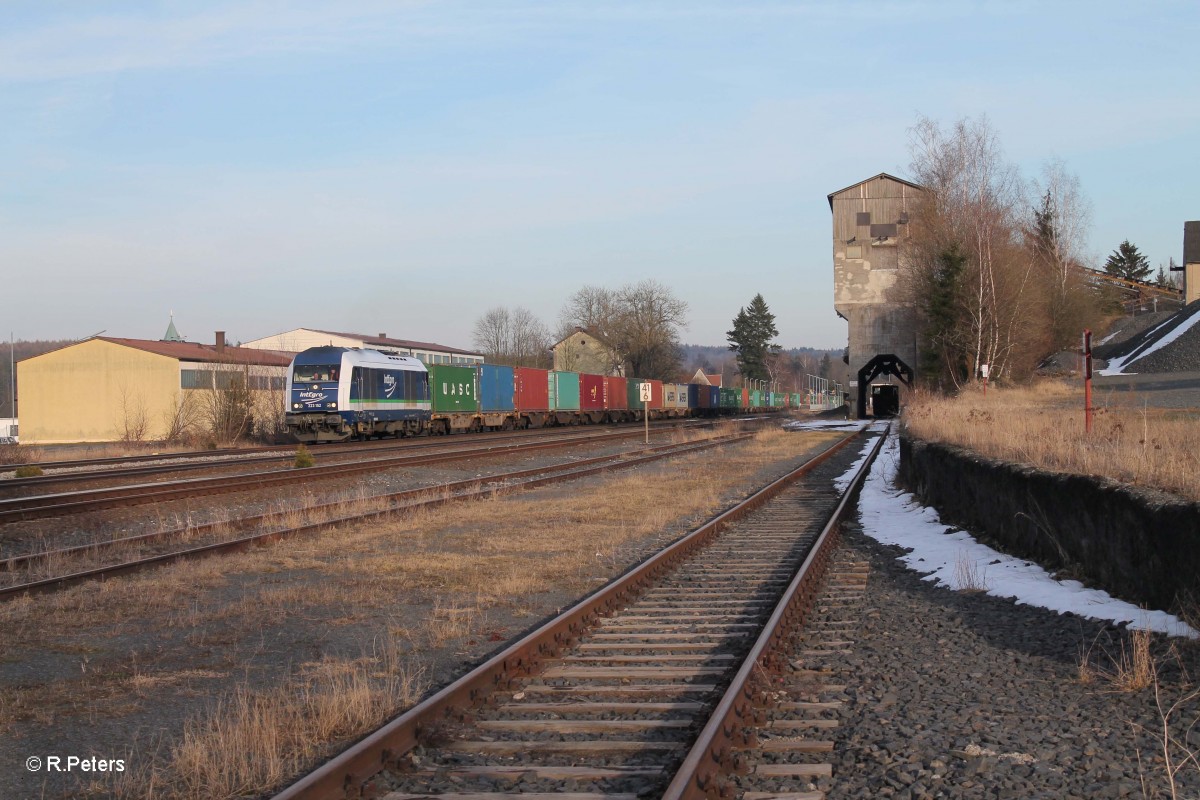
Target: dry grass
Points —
{"points": [[460, 560], [1131, 668], [253, 740], [969, 575], [1043, 425]]}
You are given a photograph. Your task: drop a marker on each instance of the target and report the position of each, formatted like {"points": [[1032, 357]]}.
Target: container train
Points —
{"points": [[340, 393]]}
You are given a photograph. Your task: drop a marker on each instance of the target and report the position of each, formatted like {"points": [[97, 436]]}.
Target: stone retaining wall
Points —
{"points": [[1141, 546]]}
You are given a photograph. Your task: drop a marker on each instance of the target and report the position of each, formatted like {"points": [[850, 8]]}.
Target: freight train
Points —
{"points": [[340, 393]]}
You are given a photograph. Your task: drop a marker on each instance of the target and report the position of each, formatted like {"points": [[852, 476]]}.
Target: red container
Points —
{"points": [[591, 392], [615, 398], [745, 398], [656, 394], [531, 389]]}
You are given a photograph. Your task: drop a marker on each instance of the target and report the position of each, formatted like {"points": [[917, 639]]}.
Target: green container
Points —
{"points": [[756, 399], [453, 389], [564, 391], [730, 398]]}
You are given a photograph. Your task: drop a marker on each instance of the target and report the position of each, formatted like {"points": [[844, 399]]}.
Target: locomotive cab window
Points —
{"points": [[308, 373]]}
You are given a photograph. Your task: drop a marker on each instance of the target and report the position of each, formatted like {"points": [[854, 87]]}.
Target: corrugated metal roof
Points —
{"points": [[1191, 242], [386, 341], [194, 351]]}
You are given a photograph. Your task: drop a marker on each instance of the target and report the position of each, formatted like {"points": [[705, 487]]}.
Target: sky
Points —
{"points": [[953, 558], [403, 167]]}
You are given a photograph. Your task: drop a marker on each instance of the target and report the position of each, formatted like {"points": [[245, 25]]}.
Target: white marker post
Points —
{"points": [[984, 369], [644, 389]]}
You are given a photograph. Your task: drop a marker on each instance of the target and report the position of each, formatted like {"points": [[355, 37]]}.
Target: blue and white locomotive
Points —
{"points": [[336, 393]]}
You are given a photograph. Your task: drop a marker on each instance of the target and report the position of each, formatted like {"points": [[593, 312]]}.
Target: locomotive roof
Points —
{"points": [[365, 355]]}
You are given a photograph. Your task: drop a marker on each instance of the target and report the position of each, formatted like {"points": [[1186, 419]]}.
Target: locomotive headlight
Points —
{"points": [[296, 406], [331, 405]]}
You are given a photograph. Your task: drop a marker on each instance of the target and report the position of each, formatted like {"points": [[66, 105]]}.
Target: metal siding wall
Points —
{"points": [[80, 393]]}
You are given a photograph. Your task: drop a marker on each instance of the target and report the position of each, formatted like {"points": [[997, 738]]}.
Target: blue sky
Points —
{"points": [[403, 167]]}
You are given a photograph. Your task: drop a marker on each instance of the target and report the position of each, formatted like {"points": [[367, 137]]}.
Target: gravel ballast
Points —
{"points": [[966, 695]]}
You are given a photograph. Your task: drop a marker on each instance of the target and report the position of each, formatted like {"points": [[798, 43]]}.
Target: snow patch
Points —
{"points": [[952, 558]]}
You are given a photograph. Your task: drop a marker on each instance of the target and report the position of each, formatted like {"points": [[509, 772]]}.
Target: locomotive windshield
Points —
{"points": [[310, 373]]}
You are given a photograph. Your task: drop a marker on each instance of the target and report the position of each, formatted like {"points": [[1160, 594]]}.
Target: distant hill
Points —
{"points": [[799, 361]]}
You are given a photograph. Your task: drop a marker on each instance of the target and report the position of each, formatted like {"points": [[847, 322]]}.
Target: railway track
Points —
{"points": [[204, 460], [180, 545], [86, 500], [653, 686]]}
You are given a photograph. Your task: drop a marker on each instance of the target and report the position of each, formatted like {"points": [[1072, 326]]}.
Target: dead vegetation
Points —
{"points": [[455, 567], [1043, 425]]}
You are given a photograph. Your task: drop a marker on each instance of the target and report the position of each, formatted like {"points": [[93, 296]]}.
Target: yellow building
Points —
{"points": [[107, 389]]}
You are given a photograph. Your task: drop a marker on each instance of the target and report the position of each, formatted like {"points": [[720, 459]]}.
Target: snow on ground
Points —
{"points": [[824, 425], [1117, 365], [952, 558]]}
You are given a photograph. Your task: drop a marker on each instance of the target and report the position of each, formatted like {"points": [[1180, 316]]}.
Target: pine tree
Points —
{"points": [[1126, 262], [753, 329]]}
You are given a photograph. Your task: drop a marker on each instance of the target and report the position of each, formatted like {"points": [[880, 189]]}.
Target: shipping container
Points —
{"points": [[634, 394], [495, 388], [675, 396], [616, 397], [591, 392], [564, 391], [709, 397], [453, 389], [693, 390], [755, 399], [729, 398], [745, 399], [531, 392]]}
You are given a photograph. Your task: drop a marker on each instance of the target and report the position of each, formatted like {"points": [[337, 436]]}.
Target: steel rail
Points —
{"points": [[63, 503], [713, 755], [343, 775], [448, 493], [285, 449], [286, 453]]}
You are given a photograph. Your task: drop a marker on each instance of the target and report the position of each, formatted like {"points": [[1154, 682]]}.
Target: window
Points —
{"points": [[230, 380], [195, 379], [854, 251], [863, 218], [315, 373]]}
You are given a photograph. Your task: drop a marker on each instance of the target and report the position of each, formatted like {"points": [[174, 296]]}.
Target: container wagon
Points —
{"points": [[531, 397], [563, 389]]}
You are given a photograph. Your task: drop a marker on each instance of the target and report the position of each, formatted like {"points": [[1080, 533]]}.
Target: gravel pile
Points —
{"points": [[971, 696], [1126, 328], [1180, 355]]}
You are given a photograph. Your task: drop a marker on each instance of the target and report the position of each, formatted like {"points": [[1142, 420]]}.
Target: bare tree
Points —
{"points": [[182, 418], [1055, 233], [133, 422], [966, 267], [516, 338], [641, 322]]}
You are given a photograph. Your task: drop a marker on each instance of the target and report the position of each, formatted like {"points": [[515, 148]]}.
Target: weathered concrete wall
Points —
{"points": [[1141, 546]]}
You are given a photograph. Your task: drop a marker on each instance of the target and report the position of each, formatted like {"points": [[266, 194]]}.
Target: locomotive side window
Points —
{"points": [[308, 373]]}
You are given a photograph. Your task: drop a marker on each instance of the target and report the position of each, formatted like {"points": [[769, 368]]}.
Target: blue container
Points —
{"points": [[495, 388], [693, 395]]}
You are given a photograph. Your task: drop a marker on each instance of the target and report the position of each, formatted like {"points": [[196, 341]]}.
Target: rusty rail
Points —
{"points": [[345, 774]]}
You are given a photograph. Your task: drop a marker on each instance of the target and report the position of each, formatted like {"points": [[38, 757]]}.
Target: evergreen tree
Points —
{"points": [[753, 330], [825, 368], [1126, 262]]}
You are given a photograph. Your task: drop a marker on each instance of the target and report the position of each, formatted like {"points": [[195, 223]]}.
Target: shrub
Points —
{"points": [[304, 458], [30, 471]]}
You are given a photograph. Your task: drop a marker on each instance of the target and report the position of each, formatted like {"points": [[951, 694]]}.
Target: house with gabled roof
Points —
{"points": [[584, 351], [108, 388]]}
